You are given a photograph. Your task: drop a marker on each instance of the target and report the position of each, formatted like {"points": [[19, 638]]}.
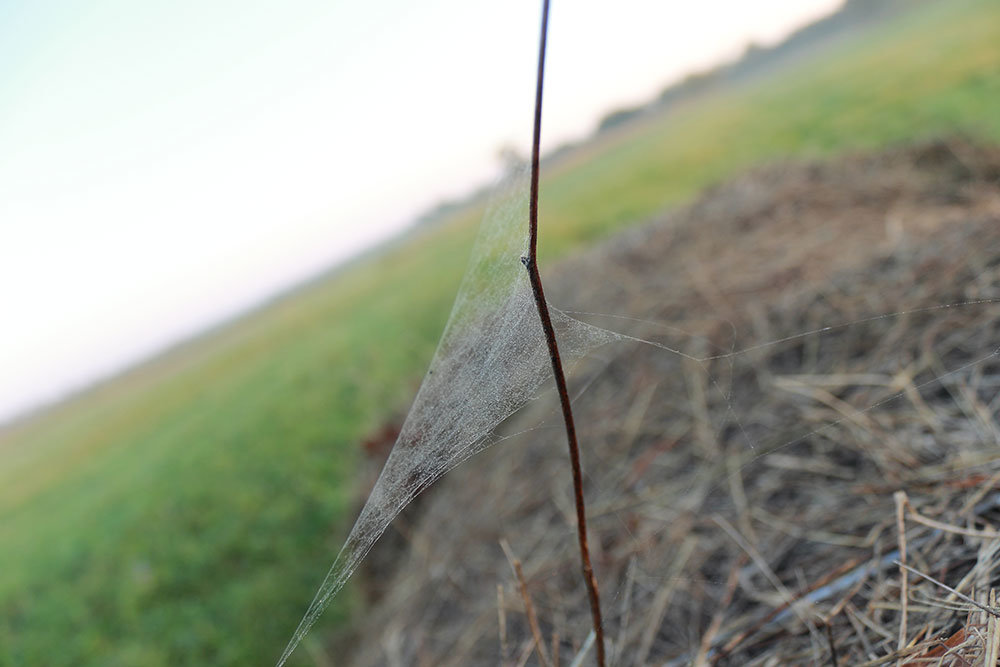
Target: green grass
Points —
{"points": [[185, 513]]}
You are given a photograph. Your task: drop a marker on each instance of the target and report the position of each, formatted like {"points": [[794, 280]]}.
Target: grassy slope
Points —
{"points": [[182, 513]]}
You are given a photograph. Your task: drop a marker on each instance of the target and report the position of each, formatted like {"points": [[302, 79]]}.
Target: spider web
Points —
{"points": [[491, 360]]}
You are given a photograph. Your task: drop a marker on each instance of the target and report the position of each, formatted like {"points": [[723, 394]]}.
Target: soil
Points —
{"points": [[830, 407]]}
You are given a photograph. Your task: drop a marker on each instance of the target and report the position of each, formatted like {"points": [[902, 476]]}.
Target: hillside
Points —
{"points": [[184, 512]]}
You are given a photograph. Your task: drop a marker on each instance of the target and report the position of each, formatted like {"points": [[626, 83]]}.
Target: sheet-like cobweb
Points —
{"points": [[492, 359]]}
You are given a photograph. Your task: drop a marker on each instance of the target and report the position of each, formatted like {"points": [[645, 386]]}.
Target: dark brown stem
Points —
{"points": [[531, 262]]}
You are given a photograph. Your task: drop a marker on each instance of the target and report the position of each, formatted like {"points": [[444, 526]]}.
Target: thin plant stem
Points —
{"points": [[531, 263]]}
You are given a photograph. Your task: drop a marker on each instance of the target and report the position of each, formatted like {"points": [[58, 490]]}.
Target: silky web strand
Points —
{"points": [[491, 360]]}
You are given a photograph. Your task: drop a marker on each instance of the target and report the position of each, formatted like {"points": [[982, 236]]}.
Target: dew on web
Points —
{"points": [[491, 360]]}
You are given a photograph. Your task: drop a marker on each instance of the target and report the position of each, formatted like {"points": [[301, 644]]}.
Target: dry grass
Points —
{"points": [[741, 497]]}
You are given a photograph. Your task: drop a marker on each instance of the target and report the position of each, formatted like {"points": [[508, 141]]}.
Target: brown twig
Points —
{"points": [[529, 609], [833, 648], [900, 498], [989, 610], [502, 623], [731, 645], [661, 601], [992, 634], [531, 263], [938, 649], [701, 660]]}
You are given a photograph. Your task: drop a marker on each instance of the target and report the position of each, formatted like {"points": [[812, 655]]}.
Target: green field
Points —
{"points": [[185, 512]]}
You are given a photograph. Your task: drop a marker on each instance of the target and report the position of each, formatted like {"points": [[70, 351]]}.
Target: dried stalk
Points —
{"points": [[531, 263], [529, 608]]}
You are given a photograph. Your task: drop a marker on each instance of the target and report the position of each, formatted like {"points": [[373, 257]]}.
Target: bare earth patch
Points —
{"points": [[744, 495]]}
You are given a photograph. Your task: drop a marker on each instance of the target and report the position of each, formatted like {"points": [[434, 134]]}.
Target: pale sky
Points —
{"points": [[165, 165]]}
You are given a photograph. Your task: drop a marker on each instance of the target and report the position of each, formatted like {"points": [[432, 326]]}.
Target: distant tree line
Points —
{"points": [[757, 59]]}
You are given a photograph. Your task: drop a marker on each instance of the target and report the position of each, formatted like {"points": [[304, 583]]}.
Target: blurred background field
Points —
{"points": [[185, 511]]}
